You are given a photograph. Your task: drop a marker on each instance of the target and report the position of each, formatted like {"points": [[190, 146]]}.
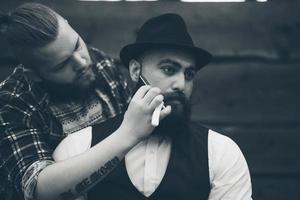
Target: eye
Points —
{"points": [[169, 70], [190, 74], [61, 66], [78, 45]]}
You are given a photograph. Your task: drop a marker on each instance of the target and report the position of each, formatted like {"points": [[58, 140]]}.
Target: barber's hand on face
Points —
{"points": [[137, 118]]}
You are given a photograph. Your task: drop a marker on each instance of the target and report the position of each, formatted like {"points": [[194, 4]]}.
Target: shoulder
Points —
{"points": [[224, 153], [20, 93], [104, 65], [14, 85], [220, 142], [110, 70], [228, 169], [101, 60], [110, 80], [97, 55]]}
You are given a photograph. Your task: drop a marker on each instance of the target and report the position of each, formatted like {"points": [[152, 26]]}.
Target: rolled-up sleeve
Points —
{"points": [[30, 177]]}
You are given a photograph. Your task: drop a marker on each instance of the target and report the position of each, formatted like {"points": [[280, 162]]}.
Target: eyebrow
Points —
{"points": [[169, 61], [66, 60]]}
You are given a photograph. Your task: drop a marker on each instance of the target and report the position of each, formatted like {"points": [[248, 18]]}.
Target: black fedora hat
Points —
{"points": [[165, 30]]}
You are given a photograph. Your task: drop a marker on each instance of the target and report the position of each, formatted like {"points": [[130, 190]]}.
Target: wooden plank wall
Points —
{"points": [[250, 92]]}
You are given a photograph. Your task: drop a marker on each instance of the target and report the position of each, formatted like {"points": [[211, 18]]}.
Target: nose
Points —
{"points": [[179, 82], [79, 62]]}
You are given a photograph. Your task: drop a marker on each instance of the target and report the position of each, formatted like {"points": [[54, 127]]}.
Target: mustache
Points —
{"points": [[175, 96], [83, 71]]}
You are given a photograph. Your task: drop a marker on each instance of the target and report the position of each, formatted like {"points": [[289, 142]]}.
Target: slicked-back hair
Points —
{"points": [[30, 25]]}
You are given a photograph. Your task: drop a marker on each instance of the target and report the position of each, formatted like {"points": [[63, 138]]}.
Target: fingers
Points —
{"points": [[165, 112], [157, 100], [156, 115], [140, 93], [151, 95]]}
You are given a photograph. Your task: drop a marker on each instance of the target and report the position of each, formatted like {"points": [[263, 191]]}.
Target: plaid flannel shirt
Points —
{"points": [[31, 126]]}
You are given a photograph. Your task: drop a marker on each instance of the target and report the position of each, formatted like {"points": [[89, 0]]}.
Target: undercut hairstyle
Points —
{"points": [[30, 25]]}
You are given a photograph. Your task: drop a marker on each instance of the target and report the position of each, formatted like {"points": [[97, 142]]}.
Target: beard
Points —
{"points": [[66, 92], [177, 123]]}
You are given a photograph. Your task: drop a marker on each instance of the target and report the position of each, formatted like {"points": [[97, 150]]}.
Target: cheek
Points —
{"points": [[161, 83], [189, 89], [156, 78]]}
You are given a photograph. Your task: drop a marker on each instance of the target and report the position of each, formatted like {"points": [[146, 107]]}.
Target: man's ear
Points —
{"points": [[134, 70]]}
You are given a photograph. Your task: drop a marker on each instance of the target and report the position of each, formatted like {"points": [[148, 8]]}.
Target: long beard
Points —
{"points": [[177, 123]]}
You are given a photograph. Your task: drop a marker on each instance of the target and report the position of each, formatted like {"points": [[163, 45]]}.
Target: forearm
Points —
{"points": [[72, 177]]}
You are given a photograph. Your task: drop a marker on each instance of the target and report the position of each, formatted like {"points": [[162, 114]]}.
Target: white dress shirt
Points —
{"points": [[146, 163]]}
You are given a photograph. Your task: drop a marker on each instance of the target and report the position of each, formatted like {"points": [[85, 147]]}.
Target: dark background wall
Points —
{"points": [[250, 92]]}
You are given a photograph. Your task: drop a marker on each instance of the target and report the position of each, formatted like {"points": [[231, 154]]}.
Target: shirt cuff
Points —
{"points": [[29, 179]]}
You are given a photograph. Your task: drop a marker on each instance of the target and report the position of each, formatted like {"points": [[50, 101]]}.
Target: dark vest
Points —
{"points": [[186, 177]]}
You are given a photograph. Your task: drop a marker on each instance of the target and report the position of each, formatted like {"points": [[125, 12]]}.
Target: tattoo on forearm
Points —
{"points": [[85, 183]]}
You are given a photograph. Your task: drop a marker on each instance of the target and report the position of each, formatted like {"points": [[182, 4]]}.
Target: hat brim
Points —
{"points": [[132, 50]]}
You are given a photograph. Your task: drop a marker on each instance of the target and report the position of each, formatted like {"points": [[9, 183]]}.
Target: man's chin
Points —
{"points": [[177, 118], [174, 124], [177, 109]]}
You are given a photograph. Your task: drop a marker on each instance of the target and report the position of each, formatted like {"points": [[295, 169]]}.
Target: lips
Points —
{"points": [[174, 101], [175, 104]]}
